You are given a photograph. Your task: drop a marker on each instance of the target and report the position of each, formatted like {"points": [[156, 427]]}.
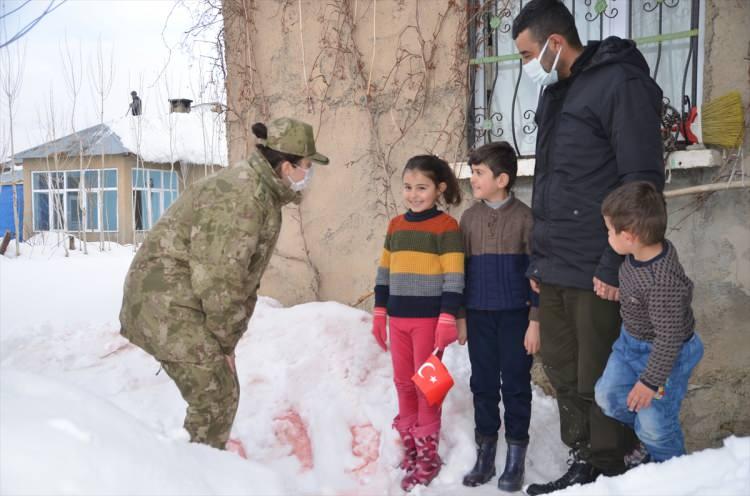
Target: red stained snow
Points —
{"points": [[291, 430], [365, 445], [235, 446]]}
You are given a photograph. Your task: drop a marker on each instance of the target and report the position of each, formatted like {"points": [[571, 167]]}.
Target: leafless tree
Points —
{"points": [[73, 77], [12, 62], [102, 77], [52, 159]]}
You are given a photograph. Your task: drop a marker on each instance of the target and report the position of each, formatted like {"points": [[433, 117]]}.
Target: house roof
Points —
{"points": [[198, 137], [95, 140], [11, 177]]}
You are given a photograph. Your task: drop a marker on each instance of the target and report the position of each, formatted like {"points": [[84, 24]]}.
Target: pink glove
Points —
{"points": [[446, 331], [379, 326]]}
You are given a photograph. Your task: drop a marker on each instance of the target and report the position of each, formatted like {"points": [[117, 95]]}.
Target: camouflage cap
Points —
{"points": [[295, 137]]}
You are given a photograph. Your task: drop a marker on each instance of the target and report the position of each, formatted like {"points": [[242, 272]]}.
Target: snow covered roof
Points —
{"points": [[198, 137], [11, 177]]}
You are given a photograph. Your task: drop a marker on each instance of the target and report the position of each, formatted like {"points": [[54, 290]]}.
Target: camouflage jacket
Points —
{"points": [[192, 285]]}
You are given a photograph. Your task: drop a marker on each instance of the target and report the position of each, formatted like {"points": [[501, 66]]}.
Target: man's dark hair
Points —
{"points": [[499, 157], [546, 17], [638, 208]]}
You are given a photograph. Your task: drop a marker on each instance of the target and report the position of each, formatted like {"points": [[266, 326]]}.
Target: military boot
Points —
{"points": [[579, 472]]}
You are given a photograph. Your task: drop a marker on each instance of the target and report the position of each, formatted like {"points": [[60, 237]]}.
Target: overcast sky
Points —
{"points": [[131, 35]]}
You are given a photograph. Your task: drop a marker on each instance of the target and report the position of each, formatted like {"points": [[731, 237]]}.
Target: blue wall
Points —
{"points": [[6, 210]]}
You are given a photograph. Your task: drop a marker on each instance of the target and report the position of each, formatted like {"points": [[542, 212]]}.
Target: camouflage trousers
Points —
{"points": [[212, 392]]}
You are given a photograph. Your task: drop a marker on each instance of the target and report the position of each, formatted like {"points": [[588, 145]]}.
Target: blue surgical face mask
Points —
{"points": [[536, 71], [302, 183]]}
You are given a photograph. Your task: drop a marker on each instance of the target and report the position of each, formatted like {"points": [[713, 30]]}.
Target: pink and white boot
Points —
{"points": [[428, 462], [405, 429], [409, 460]]}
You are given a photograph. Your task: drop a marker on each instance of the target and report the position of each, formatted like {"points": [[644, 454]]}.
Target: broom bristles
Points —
{"points": [[722, 121]]}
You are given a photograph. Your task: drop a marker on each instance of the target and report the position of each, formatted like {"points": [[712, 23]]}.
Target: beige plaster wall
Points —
{"points": [[317, 69]]}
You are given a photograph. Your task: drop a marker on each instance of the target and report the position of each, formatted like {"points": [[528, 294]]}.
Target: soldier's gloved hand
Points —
{"points": [[379, 326], [446, 331]]}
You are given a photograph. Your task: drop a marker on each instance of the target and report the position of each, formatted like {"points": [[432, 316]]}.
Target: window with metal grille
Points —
{"points": [[667, 32]]}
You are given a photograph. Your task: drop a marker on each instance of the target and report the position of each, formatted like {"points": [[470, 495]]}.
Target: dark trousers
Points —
{"points": [[500, 364], [577, 331]]}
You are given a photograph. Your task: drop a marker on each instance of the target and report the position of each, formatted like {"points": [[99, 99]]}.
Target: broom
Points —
{"points": [[718, 122]]}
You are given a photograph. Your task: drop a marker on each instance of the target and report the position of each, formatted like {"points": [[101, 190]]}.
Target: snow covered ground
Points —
{"points": [[83, 412]]}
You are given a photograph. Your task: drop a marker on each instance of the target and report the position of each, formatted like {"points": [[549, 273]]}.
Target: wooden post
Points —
{"points": [[6, 241]]}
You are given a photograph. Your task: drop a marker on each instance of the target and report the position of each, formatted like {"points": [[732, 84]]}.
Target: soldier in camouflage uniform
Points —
{"points": [[192, 285]]}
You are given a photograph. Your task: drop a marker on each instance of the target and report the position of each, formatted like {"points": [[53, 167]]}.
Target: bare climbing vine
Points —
{"points": [[349, 67]]}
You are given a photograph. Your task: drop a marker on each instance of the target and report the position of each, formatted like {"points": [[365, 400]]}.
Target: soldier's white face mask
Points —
{"points": [[536, 71], [302, 183]]}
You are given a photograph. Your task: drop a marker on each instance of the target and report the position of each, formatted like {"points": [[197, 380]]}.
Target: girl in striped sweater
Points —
{"points": [[419, 285]]}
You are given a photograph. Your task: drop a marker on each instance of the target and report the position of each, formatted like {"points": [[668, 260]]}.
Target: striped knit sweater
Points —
{"points": [[421, 271], [498, 244]]}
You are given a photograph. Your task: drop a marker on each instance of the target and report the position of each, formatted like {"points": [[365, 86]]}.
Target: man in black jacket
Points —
{"points": [[598, 124]]}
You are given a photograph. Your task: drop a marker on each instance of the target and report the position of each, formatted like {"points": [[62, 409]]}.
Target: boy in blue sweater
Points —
{"points": [[501, 325]]}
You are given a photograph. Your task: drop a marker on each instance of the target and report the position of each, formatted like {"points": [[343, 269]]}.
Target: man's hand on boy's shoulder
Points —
{"points": [[640, 397], [534, 285]]}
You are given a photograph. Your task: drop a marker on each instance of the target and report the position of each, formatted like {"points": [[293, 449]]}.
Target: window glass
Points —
{"points": [[109, 212], [41, 180], [92, 211], [41, 211], [109, 178]]}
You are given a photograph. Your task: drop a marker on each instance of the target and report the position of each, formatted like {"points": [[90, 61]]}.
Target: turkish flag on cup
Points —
{"points": [[433, 379]]}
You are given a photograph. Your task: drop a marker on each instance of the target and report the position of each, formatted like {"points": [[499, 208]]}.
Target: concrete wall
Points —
{"points": [[712, 234], [344, 214]]}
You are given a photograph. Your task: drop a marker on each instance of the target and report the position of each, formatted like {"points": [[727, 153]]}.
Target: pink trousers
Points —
{"points": [[412, 342]]}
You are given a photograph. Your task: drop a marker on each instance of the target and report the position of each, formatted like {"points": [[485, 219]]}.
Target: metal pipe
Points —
{"points": [[704, 188]]}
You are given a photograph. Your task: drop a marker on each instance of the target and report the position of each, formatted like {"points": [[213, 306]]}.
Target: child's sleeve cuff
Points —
{"points": [[649, 385]]}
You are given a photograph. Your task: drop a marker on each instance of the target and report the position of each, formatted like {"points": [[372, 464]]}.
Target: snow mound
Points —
{"points": [[82, 411], [59, 439]]}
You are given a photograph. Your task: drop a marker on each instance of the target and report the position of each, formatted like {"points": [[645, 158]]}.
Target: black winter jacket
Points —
{"points": [[597, 129]]}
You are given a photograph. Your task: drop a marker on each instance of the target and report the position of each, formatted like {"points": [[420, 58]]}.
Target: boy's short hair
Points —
{"points": [[499, 157], [638, 208]]}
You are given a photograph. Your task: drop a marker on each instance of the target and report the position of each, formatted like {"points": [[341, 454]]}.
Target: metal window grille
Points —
{"points": [[503, 101]]}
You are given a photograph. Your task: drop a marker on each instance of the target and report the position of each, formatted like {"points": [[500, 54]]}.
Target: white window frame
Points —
{"points": [[149, 189], [82, 192]]}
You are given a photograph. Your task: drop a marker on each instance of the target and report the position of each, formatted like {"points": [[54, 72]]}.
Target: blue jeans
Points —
{"points": [[658, 426]]}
